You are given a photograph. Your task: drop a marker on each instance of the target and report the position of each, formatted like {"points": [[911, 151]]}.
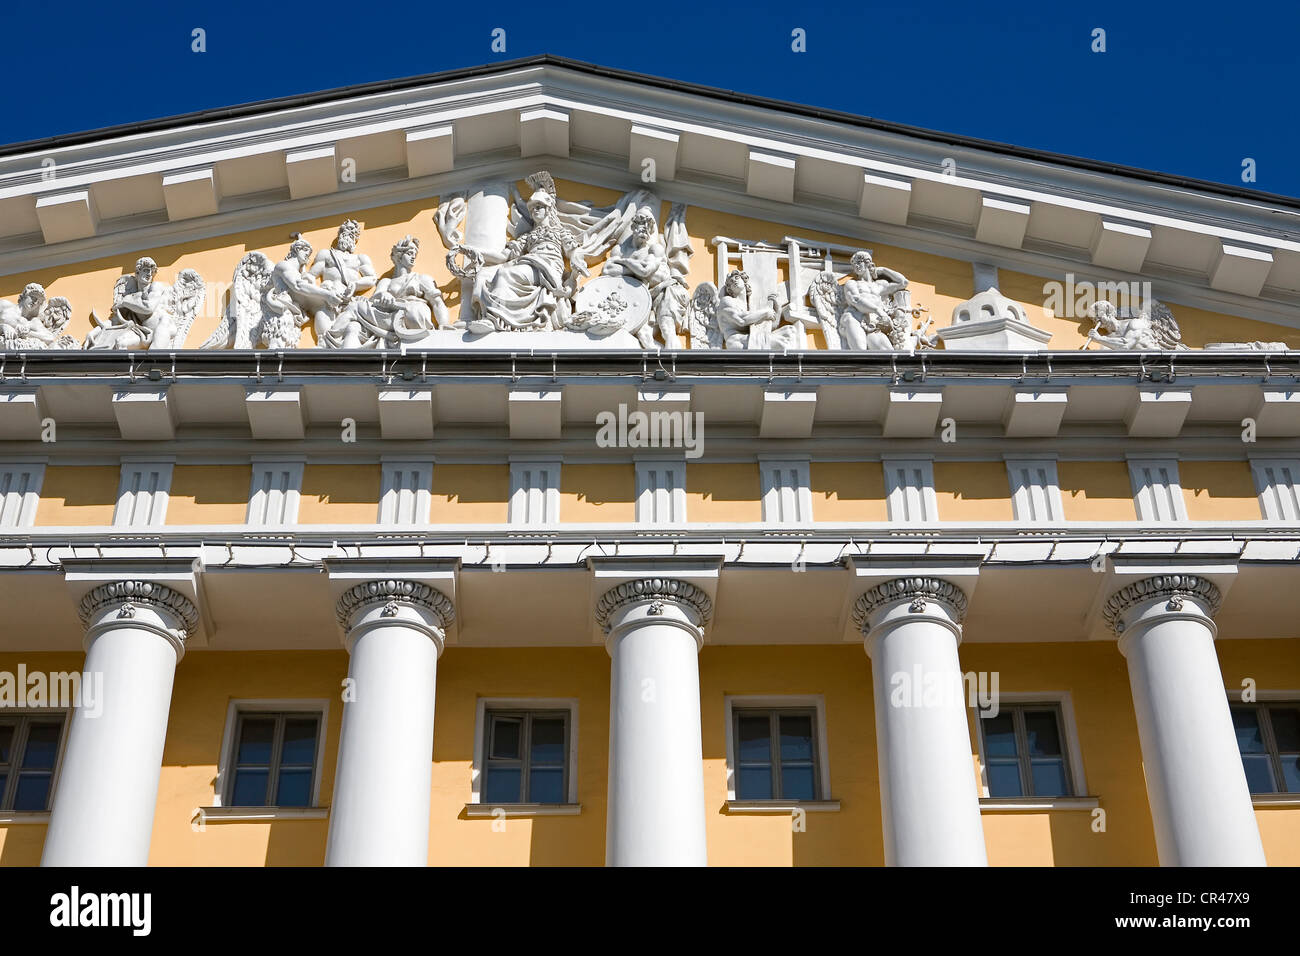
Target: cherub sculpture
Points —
{"points": [[871, 311], [147, 314], [1151, 326], [35, 323]]}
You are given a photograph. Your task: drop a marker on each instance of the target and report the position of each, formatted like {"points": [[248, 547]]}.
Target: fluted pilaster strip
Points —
{"points": [[653, 589], [901, 589], [1170, 586], [148, 593], [403, 592]]}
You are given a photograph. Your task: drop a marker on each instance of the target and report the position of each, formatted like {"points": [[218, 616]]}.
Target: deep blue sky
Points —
{"points": [[1189, 88]]}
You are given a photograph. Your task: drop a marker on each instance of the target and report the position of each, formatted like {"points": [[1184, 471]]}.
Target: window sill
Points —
{"points": [[1264, 800], [478, 810], [1036, 804], [14, 817], [259, 814], [782, 806]]}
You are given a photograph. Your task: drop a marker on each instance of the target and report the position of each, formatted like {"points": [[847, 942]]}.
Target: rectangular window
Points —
{"points": [[142, 494], [660, 492], [273, 763], [29, 752], [909, 490], [1268, 736], [787, 491], [1156, 491], [1035, 490], [1024, 752], [20, 489], [406, 493], [525, 757], [1276, 481], [534, 492], [775, 753], [274, 493]]}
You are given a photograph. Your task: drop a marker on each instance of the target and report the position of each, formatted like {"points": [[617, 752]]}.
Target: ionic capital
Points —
{"points": [[685, 595], [130, 594], [1174, 589], [917, 590], [394, 592]]}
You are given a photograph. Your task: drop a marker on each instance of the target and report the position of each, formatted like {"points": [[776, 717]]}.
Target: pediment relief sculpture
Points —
{"points": [[1148, 326], [147, 313], [35, 322]]}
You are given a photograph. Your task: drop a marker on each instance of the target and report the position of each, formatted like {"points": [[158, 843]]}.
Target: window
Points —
{"points": [[1156, 491], [909, 490], [1268, 736], [1276, 482], [407, 492], [273, 497], [1035, 490], [142, 494], [526, 757], [534, 492], [660, 492], [776, 754], [787, 492], [274, 761], [1024, 752], [29, 751], [20, 488]]}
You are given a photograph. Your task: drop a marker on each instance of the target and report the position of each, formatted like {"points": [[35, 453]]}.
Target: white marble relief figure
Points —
{"points": [[868, 311], [659, 262], [342, 269], [35, 323], [405, 306], [741, 327], [1149, 326], [148, 314]]}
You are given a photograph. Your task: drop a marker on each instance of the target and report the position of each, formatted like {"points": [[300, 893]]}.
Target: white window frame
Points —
{"points": [[20, 492], [526, 498], [292, 469], [1039, 500], [136, 471], [260, 705], [815, 702], [1157, 501], [1070, 736], [780, 498], [904, 497], [656, 504], [569, 704], [1279, 494], [395, 499]]}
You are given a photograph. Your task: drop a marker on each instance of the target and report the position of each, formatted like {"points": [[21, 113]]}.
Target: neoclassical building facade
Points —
{"points": [[539, 464]]}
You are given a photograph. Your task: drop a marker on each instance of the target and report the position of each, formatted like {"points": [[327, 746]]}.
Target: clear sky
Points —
{"points": [[1189, 88]]}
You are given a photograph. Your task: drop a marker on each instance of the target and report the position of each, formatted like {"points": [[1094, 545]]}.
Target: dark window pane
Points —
{"points": [[1286, 728], [4, 780], [546, 785], [999, 735], [250, 788], [547, 741], [754, 743], [754, 783], [1049, 778], [505, 738], [1245, 721], [1259, 773], [1004, 779], [502, 785], [255, 742], [6, 742], [797, 783], [299, 747], [1042, 733], [796, 738], [1291, 773], [42, 745], [293, 788], [32, 792]]}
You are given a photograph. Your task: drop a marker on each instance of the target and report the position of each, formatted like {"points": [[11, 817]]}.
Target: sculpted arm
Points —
{"points": [[365, 274]]}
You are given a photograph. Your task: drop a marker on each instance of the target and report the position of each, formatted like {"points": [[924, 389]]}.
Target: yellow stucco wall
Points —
{"points": [[1096, 491], [598, 493], [79, 495], [717, 491], [471, 494], [972, 491], [1219, 491], [209, 494], [339, 494], [848, 491]]}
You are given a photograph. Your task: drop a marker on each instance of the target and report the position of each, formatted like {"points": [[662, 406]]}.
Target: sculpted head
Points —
{"points": [[57, 313], [541, 206], [145, 270], [31, 300], [643, 226], [1105, 314], [349, 233], [300, 249], [737, 284], [863, 265], [405, 251]]}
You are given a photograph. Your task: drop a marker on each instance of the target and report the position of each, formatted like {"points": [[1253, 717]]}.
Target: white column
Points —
{"points": [[108, 784], [1196, 786], [380, 808], [928, 796], [655, 629]]}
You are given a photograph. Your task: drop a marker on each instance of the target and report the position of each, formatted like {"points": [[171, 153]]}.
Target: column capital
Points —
{"points": [[693, 600], [917, 590], [129, 596], [1174, 589], [391, 593]]}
